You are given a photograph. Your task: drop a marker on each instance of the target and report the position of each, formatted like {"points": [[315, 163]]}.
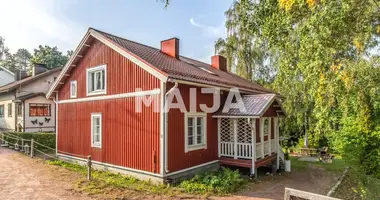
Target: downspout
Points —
{"points": [[166, 125]]}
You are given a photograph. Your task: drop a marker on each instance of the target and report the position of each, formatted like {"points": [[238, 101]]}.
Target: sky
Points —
{"points": [[63, 23]]}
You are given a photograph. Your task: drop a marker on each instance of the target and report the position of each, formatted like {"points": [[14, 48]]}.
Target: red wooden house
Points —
{"points": [[96, 104]]}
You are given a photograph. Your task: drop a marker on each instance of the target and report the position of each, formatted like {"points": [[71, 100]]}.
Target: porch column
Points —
{"points": [[253, 130], [235, 138], [276, 141], [219, 137], [270, 135], [262, 137]]}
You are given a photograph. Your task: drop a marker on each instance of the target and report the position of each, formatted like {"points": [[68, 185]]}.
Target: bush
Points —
{"points": [[221, 182], [47, 139]]}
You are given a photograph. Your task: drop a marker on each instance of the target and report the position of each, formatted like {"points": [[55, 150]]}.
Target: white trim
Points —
{"points": [[221, 86], [196, 146], [252, 124], [110, 165], [92, 70], [275, 125], [129, 56], [115, 96], [270, 136], [68, 64], [191, 168], [236, 117], [235, 123], [162, 128], [56, 122], [219, 127], [97, 144], [71, 89], [262, 137]]}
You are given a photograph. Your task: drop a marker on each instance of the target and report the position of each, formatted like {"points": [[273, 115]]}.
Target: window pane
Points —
{"points": [[190, 131], [199, 139], [190, 121], [103, 79], [199, 121], [190, 140], [92, 82]]}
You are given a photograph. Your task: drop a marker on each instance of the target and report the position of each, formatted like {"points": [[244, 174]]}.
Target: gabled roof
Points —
{"points": [[14, 85], [164, 67], [255, 106]]}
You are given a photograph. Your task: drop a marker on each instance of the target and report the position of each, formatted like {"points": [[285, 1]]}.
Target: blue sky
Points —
{"points": [[197, 23]]}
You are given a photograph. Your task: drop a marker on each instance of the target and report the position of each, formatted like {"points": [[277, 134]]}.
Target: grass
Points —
{"points": [[358, 186], [104, 180], [337, 165], [220, 182]]}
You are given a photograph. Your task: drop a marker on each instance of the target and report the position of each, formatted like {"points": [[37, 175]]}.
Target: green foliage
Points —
{"points": [[220, 182], [47, 139], [49, 56], [320, 55]]}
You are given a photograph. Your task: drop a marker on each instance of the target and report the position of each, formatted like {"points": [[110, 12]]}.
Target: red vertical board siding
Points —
{"points": [[129, 139], [177, 158]]}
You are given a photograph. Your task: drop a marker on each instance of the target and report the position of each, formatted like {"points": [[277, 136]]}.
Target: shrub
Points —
{"points": [[221, 182], [47, 139]]}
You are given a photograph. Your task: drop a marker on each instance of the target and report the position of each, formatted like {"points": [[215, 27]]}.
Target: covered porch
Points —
{"points": [[251, 139]]}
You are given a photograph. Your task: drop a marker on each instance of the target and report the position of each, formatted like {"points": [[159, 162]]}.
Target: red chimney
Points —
{"points": [[219, 62], [171, 47]]}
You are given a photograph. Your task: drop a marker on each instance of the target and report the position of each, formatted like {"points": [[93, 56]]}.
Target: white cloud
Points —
{"points": [[212, 31], [27, 24], [192, 21]]}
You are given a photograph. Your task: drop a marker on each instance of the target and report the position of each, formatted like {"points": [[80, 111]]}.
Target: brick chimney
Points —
{"points": [[219, 62], [171, 47]]}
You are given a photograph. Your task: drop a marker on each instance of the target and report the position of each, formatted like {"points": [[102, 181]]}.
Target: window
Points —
{"points": [[9, 109], [96, 130], [266, 126], [39, 110], [19, 109], [73, 89], [1, 110], [96, 80], [195, 131]]}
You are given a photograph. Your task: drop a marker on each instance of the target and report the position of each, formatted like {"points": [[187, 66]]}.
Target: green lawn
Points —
{"points": [[337, 165]]}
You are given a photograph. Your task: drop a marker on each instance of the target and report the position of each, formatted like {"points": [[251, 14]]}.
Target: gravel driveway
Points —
{"points": [[25, 178]]}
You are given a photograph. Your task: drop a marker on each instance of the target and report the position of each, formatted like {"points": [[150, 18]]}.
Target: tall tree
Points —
{"points": [[49, 56], [22, 58]]}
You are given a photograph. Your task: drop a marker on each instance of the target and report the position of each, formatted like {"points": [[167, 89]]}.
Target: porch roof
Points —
{"points": [[255, 106]]}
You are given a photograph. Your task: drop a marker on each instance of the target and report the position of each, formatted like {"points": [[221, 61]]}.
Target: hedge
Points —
{"points": [[47, 139]]}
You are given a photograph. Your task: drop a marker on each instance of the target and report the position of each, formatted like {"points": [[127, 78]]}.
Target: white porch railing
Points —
{"points": [[273, 146], [244, 150], [227, 149], [259, 153], [266, 148]]}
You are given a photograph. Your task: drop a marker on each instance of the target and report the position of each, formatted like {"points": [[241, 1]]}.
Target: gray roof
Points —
{"points": [[255, 106], [14, 85]]}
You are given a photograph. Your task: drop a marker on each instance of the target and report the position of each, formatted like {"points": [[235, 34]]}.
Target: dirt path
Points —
{"points": [[25, 178], [313, 179]]}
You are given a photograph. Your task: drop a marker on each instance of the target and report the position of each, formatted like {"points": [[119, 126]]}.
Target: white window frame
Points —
{"points": [[72, 87], [269, 126], [96, 144], [195, 146], [92, 70]]}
